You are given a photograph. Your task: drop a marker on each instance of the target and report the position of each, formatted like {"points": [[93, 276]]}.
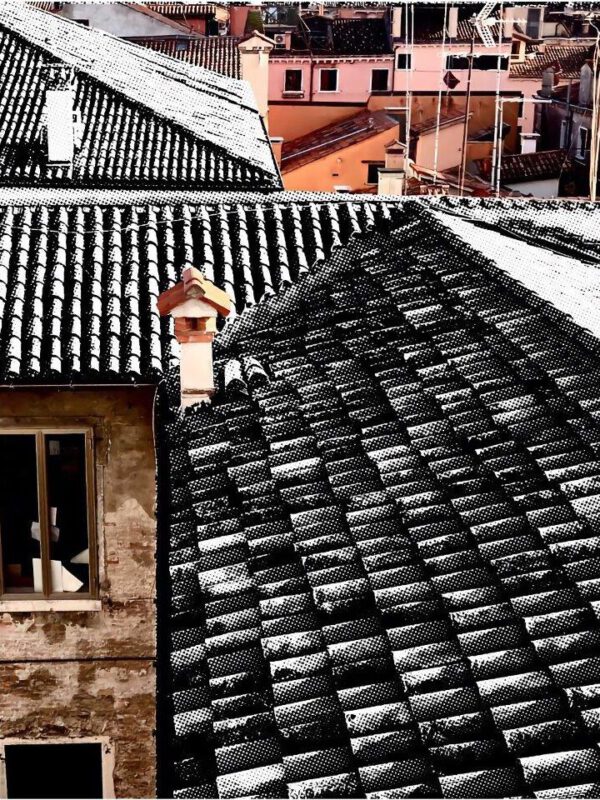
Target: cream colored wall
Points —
{"points": [[448, 152]]}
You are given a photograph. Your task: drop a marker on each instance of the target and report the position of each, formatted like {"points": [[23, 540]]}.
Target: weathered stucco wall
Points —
{"points": [[91, 673]]}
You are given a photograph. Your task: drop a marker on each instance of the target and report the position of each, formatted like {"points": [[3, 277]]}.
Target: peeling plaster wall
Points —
{"points": [[92, 673]]}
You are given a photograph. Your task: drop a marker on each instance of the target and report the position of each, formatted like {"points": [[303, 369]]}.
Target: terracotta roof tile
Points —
{"points": [[128, 255], [336, 136], [146, 119], [184, 10], [215, 53], [533, 166], [365, 590], [568, 57]]}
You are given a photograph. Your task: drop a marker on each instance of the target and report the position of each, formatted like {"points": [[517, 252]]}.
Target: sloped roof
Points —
{"points": [[79, 280], [383, 538], [184, 10], [533, 166], [147, 119], [568, 57], [216, 53], [331, 138]]}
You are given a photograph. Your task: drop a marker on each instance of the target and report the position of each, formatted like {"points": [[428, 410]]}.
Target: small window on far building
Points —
{"points": [[379, 80], [583, 143], [534, 22], [45, 769], [563, 134], [373, 172], [47, 542], [328, 81], [293, 80], [403, 61], [84, 22]]}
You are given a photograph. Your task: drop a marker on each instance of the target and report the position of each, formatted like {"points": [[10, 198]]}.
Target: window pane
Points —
{"points": [[293, 80], [403, 61], [328, 80], [54, 770], [19, 520], [67, 499], [379, 80]]}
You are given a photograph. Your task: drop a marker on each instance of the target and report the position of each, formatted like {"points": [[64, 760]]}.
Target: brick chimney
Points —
{"points": [[59, 110], [452, 24], [195, 303]]}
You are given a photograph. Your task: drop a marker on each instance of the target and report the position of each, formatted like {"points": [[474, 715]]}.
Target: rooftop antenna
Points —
{"points": [[480, 24]]}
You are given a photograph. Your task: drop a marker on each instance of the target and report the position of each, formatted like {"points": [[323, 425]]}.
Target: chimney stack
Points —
{"points": [[547, 82], [392, 177], [529, 142], [452, 22], [59, 112], [254, 60], [195, 303], [397, 22]]}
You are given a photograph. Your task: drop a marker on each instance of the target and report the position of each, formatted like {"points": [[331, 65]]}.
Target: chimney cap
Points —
{"points": [[194, 286]]}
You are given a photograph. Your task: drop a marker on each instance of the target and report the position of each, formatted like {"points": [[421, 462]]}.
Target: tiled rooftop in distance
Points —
{"points": [[216, 53], [384, 537], [148, 120], [567, 59]]}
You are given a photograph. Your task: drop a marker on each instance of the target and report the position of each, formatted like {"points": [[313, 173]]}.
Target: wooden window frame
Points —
{"points": [[107, 754], [46, 595]]}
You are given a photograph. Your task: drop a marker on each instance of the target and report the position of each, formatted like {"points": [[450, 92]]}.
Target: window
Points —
{"points": [[486, 62], [84, 22], [379, 80], [534, 22], [47, 541], [181, 45], [293, 80], [328, 81], [373, 171], [52, 769], [403, 61], [583, 143], [563, 134]]}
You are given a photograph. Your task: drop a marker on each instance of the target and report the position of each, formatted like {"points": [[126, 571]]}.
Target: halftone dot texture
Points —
{"points": [[385, 551], [147, 120]]}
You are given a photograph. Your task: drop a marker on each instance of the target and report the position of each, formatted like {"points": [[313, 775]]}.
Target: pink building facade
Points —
{"points": [[329, 79]]}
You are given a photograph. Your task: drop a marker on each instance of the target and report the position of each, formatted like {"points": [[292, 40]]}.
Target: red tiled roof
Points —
{"points": [[533, 166], [333, 138], [184, 10], [569, 57], [216, 53]]}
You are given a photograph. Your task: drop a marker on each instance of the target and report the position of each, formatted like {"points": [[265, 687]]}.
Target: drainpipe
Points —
{"points": [[312, 72]]}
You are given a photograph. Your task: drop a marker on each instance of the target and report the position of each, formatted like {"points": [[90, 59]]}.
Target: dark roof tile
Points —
{"points": [[215, 53], [398, 651], [131, 102]]}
